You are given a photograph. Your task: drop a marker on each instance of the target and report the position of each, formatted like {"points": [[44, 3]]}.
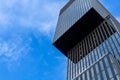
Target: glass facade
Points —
{"points": [[71, 15], [97, 55], [89, 36]]}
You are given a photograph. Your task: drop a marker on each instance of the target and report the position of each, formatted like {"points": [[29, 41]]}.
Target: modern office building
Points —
{"points": [[89, 36]]}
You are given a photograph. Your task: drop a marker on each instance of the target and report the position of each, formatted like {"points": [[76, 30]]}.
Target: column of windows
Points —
{"points": [[93, 64]]}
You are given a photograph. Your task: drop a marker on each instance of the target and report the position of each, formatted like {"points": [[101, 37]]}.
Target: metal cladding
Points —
{"points": [[76, 21], [77, 18], [89, 36]]}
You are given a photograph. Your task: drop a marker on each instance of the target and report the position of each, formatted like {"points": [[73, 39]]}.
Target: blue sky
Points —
{"points": [[26, 33]]}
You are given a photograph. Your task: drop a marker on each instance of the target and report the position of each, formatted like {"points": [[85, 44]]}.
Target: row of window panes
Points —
{"points": [[101, 71], [73, 13], [91, 56]]}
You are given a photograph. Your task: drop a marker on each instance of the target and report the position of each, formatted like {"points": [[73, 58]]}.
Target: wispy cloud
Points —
{"points": [[19, 17], [36, 14], [13, 51]]}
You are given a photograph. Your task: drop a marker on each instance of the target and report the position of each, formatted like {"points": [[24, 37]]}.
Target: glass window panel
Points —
{"points": [[83, 76], [98, 50], [90, 58], [109, 72], [93, 56], [112, 79], [104, 75], [101, 65], [84, 63], [117, 36], [96, 54], [97, 69], [79, 78], [118, 77], [106, 62], [111, 60], [114, 68], [92, 72], [98, 77], [104, 45], [81, 65], [88, 77]]}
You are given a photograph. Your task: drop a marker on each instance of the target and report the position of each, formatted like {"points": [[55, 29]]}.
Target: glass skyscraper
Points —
{"points": [[89, 36]]}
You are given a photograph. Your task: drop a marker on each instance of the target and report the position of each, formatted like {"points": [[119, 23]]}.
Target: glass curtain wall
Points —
{"points": [[97, 56]]}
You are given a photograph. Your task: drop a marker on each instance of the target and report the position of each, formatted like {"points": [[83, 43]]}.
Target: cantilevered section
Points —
{"points": [[77, 19], [78, 31]]}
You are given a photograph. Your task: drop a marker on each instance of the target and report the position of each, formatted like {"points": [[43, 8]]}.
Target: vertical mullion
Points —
{"points": [[81, 62], [113, 73], [110, 27], [72, 63], [68, 67], [88, 51], [92, 54], [110, 43], [116, 63], [90, 74], [82, 9], [95, 46], [82, 56], [96, 37], [100, 71], [95, 74], [107, 75], [99, 37], [100, 28], [114, 25], [77, 59], [85, 75], [84, 53], [108, 39], [87, 62], [111, 37], [97, 43], [104, 51]]}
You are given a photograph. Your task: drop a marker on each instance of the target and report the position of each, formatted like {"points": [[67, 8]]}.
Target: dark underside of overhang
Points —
{"points": [[78, 31]]}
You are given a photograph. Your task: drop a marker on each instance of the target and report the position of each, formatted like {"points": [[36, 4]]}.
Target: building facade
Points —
{"points": [[89, 36]]}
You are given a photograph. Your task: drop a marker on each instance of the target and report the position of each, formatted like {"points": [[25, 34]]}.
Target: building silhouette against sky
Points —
{"points": [[89, 36]]}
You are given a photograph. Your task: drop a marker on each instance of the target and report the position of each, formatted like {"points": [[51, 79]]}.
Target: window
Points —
{"points": [[104, 75], [101, 66]]}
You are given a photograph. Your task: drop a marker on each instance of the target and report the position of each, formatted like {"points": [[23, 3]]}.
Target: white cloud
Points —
{"points": [[13, 51], [38, 15], [30, 13], [3, 19]]}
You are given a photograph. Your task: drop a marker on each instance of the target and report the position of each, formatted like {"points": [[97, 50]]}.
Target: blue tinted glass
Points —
{"points": [[83, 76], [98, 77], [106, 62], [109, 72], [101, 65], [97, 69], [104, 75], [88, 78], [92, 72]]}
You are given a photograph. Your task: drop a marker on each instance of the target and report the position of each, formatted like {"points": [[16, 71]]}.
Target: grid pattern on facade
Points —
{"points": [[89, 65], [71, 15]]}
